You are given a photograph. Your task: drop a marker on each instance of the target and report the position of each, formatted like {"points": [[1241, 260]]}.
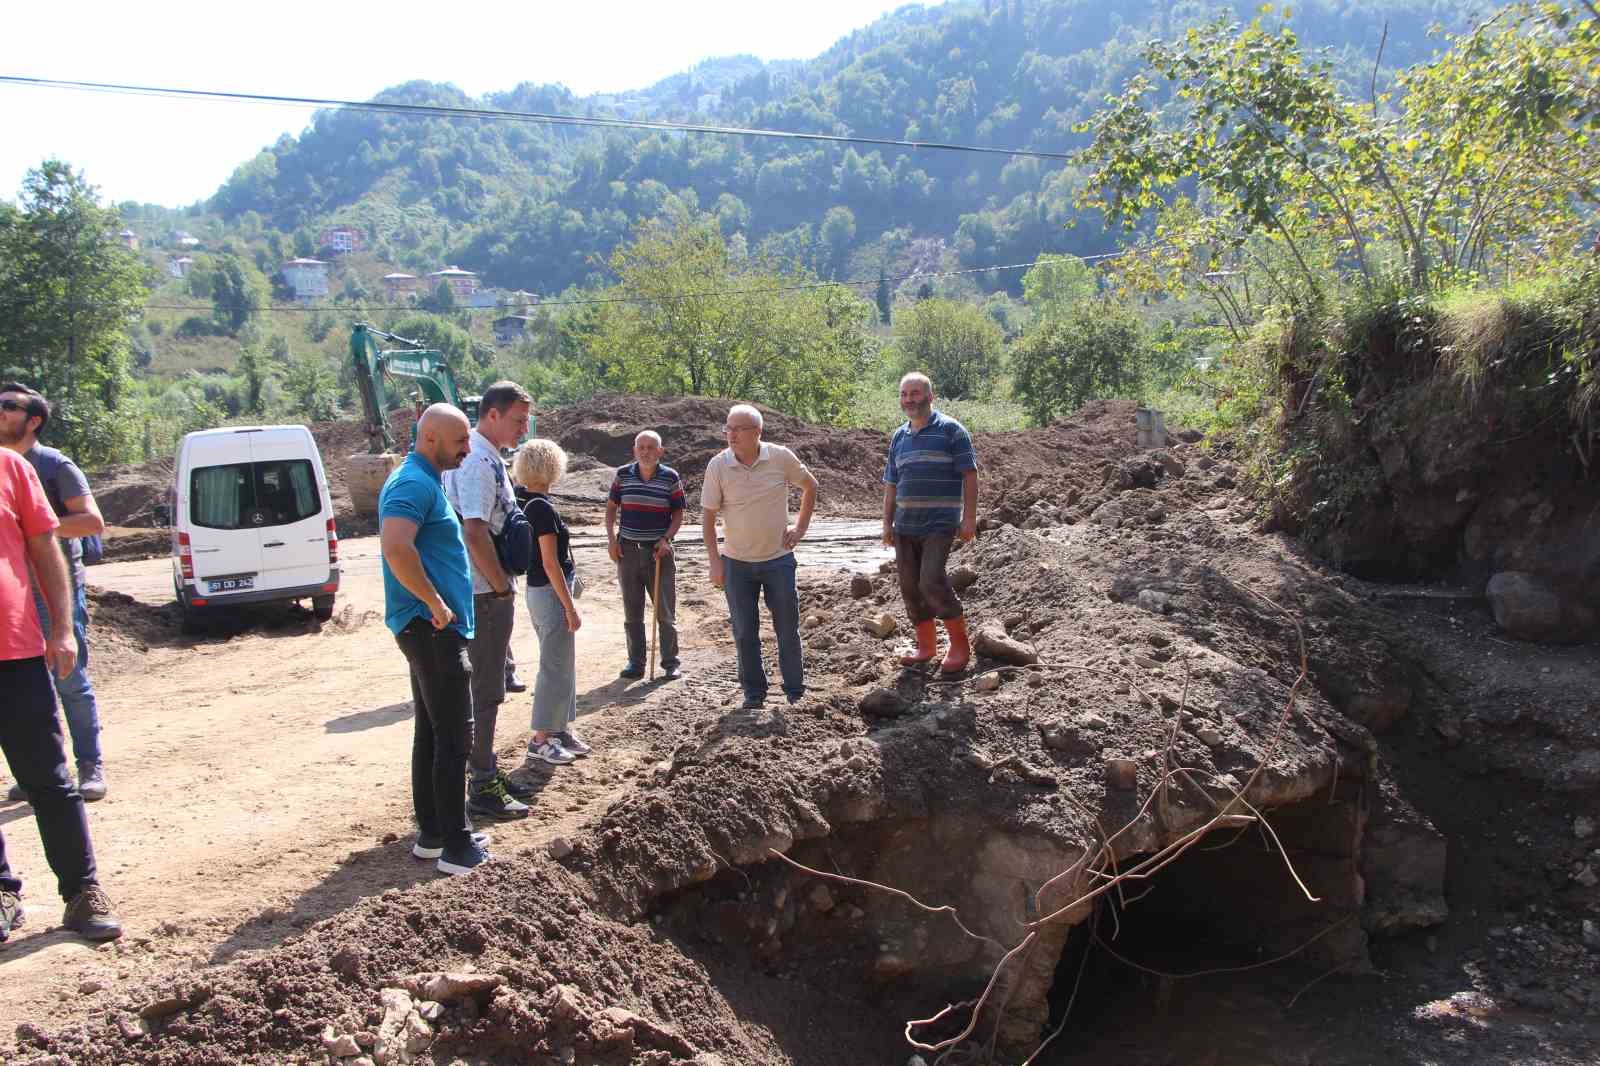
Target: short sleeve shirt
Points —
{"points": [[646, 504], [476, 492], [24, 512], [546, 521], [926, 467], [63, 481], [753, 500], [414, 493]]}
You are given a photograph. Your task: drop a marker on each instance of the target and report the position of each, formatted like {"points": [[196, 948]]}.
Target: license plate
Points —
{"points": [[231, 584]]}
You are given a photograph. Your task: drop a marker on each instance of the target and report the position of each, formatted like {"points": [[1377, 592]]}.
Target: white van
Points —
{"points": [[252, 521]]}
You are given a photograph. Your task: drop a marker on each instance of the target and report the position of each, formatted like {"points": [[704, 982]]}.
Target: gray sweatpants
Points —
{"points": [[636, 572], [555, 687], [491, 636]]}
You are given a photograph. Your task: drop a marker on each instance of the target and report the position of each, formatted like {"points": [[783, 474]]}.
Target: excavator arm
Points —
{"points": [[413, 362]]}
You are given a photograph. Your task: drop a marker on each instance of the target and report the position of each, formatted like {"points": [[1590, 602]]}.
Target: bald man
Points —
{"points": [[427, 592], [648, 496]]}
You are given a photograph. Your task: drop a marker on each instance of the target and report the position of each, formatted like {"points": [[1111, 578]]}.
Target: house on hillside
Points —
{"points": [[508, 328], [307, 277], [398, 286], [129, 239], [178, 266], [462, 282], [341, 240], [183, 239]]}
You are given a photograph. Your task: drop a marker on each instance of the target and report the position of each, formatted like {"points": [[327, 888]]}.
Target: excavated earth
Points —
{"points": [[1198, 800]]}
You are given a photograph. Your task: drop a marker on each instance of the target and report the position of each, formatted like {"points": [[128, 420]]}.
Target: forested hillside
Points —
{"points": [[539, 207]]}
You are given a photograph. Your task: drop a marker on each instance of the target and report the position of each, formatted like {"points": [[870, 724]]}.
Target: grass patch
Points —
{"points": [[876, 405]]}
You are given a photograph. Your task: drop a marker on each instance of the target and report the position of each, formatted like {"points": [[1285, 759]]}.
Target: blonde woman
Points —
{"points": [[539, 464]]}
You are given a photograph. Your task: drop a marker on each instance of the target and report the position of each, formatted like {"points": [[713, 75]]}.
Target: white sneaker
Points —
{"points": [[551, 752]]}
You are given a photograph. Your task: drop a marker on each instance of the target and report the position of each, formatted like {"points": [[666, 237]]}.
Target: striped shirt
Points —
{"points": [[646, 506], [925, 467]]}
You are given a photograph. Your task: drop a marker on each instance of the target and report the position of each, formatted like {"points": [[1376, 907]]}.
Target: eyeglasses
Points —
{"points": [[16, 405]]}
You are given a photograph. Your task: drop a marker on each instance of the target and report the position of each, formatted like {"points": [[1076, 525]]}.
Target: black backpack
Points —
{"points": [[514, 543]]}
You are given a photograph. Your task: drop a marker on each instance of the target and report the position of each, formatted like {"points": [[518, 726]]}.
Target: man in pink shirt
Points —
{"points": [[30, 731]]}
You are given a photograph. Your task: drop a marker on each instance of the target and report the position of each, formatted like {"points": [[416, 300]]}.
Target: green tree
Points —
{"points": [[69, 291], [238, 293], [883, 298], [312, 388], [958, 346], [837, 233], [1054, 283], [1094, 350]]}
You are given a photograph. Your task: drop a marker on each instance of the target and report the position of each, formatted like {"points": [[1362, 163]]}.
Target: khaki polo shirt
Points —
{"points": [[753, 500]]}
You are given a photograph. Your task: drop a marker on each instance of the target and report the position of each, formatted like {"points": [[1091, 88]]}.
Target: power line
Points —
{"points": [[491, 114], [589, 300]]}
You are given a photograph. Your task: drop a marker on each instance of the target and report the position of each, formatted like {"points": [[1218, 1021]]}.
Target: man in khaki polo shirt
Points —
{"points": [[748, 484]]}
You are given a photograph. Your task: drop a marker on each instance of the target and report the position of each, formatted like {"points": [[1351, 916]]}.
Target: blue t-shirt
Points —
{"points": [[925, 467], [414, 492]]}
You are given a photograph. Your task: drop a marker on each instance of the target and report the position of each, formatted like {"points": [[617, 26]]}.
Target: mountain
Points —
{"points": [[530, 205]]}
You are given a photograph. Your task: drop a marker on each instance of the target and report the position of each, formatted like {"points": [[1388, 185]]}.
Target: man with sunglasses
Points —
{"points": [[748, 483], [24, 414], [30, 732]]}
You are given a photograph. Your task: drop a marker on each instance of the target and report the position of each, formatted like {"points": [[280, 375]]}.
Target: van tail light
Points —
{"points": [[333, 544], [185, 557]]}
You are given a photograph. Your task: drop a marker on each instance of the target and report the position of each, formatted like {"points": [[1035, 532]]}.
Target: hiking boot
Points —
{"points": [[89, 915], [632, 672], [91, 781], [429, 846], [515, 683], [550, 751], [519, 787], [463, 859], [492, 801], [571, 743], [16, 794], [10, 914]]}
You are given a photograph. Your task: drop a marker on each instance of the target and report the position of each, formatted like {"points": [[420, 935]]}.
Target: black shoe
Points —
{"points": [[10, 914], [515, 684], [671, 673], [431, 847], [753, 703], [492, 801], [462, 860], [632, 672], [89, 915]]}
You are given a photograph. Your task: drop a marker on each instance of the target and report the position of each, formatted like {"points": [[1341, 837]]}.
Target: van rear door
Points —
{"points": [[226, 548], [290, 498]]}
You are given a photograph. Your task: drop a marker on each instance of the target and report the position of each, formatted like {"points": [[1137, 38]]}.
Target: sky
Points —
{"points": [[175, 152]]}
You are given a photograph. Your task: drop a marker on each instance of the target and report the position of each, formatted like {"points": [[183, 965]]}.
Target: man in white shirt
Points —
{"points": [[748, 483], [480, 491]]}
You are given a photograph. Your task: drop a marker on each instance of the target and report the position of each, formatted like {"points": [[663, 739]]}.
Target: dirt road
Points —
{"points": [[259, 778]]}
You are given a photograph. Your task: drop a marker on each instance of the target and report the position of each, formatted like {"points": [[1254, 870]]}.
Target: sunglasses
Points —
{"points": [[16, 405]]}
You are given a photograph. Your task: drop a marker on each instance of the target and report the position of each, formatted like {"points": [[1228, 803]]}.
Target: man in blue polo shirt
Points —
{"points": [[649, 498], [427, 594], [930, 498]]}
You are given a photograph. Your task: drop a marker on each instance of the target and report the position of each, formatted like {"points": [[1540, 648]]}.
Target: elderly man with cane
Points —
{"points": [[649, 498]]}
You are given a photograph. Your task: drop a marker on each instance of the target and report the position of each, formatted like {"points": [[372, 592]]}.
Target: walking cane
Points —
{"points": [[655, 616]]}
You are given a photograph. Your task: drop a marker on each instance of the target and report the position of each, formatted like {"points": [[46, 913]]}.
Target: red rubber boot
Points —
{"points": [[927, 645], [960, 653]]}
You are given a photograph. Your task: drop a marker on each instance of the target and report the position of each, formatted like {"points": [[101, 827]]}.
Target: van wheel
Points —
{"points": [[190, 623], [322, 607]]}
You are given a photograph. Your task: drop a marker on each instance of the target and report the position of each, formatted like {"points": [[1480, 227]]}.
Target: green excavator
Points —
{"points": [[372, 365]]}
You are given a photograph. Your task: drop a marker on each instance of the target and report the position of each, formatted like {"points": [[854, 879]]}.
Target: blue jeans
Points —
{"points": [[76, 690], [744, 583]]}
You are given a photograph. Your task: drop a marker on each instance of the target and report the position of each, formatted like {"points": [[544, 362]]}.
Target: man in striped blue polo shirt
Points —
{"points": [[930, 498], [649, 498]]}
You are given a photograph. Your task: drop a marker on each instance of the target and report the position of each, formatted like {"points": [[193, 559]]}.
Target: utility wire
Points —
{"points": [[491, 114], [587, 300]]}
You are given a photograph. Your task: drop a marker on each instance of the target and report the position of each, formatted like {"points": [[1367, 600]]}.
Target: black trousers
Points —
{"points": [[30, 736], [441, 695], [920, 562]]}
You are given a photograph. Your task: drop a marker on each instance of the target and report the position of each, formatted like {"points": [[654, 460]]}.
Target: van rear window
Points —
{"points": [[253, 495]]}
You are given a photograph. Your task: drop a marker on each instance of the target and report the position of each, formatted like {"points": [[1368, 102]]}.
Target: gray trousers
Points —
{"points": [[555, 687], [636, 572], [491, 636]]}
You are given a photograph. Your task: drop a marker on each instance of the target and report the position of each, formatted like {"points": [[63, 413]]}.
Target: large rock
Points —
{"points": [[996, 645], [1526, 606]]}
